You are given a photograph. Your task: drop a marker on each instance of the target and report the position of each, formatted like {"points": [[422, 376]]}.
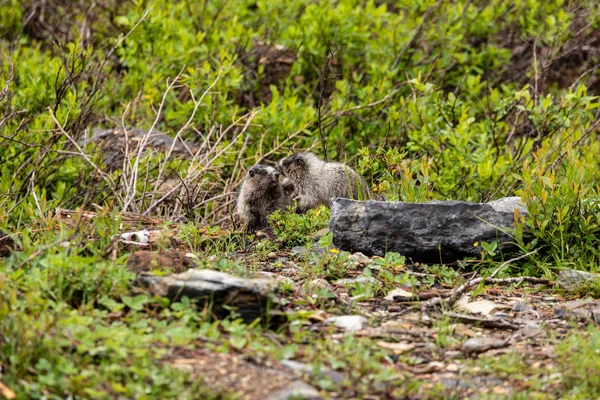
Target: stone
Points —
{"points": [[349, 323], [509, 204], [453, 367], [572, 279], [319, 234], [520, 306], [435, 231], [359, 279], [399, 293], [360, 259], [453, 354], [483, 344], [303, 251], [250, 297], [112, 144], [322, 373]]}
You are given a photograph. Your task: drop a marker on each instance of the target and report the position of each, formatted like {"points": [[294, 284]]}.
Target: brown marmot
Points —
{"points": [[316, 182], [261, 194]]}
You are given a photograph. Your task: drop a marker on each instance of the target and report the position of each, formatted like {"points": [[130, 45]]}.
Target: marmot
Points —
{"points": [[261, 194], [316, 182]]}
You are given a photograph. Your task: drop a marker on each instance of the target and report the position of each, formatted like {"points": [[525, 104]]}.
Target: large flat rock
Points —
{"points": [[435, 231], [251, 298]]}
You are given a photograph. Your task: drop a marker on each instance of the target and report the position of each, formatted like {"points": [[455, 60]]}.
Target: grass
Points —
{"points": [[427, 100]]}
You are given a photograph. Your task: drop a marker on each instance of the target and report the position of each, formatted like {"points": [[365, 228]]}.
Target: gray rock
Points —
{"points": [[482, 344], [359, 279], [113, 143], [295, 390], [251, 297], [453, 354], [509, 204], [425, 232], [572, 279], [360, 259], [456, 384], [349, 323], [323, 373], [520, 306], [319, 234], [303, 251]]}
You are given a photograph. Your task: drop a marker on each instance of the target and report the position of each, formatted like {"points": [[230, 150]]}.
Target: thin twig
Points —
{"points": [[417, 33], [510, 261], [323, 83], [81, 153], [459, 291]]}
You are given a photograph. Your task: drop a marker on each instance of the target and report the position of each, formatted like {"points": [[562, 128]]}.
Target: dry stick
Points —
{"points": [[10, 78], [280, 145], [126, 158], [37, 203], [459, 291], [187, 124], [206, 165], [350, 110], [510, 261], [323, 82], [131, 189], [81, 153], [41, 250], [417, 33], [116, 46]]}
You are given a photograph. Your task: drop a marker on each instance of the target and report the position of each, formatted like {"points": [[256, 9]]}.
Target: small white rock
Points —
{"points": [[349, 323]]}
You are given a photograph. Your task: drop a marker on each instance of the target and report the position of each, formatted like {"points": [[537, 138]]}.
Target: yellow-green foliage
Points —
{"points": [[428, 99]]}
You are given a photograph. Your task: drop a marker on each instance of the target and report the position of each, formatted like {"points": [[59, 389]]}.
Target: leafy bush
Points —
{"points": [[454, 100], [298, 229]]}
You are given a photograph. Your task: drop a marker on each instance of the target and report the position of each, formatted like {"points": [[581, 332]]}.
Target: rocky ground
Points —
{"points": [[440, 333]]}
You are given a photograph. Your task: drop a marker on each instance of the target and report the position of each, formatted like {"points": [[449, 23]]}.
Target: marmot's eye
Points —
{"points": [[251, 173]]}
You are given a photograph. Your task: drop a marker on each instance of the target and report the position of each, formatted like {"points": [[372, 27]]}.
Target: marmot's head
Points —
{"points": [[297, 164], [262, 175]]}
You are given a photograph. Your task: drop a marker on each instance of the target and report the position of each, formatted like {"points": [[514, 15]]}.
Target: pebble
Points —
{"points": [[349, 323], [482, 344]]}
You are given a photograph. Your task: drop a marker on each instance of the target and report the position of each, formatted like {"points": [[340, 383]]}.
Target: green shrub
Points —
{"points": [[298, 229]]}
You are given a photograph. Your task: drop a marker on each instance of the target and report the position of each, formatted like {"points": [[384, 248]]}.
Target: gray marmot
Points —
{"points": [[261, 194], [316, 182]]}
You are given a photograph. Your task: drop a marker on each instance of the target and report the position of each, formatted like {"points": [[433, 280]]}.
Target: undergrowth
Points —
{"points": [[429, 100]]}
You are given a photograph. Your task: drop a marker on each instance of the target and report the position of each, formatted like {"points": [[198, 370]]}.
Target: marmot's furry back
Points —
{"points": [[316, 182]]}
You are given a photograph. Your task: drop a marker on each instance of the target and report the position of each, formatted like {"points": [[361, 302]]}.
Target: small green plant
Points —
{"points": [[578, 358], [298, 230], [563, 218], [489, 249]]}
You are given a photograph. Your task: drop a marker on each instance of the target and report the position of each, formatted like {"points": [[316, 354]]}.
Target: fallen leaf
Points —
{"points": [[398, 293], [464, 330], [483, 307], [428, 368], [462, 301], [396, 348], [397, 325], [7, 392]]}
